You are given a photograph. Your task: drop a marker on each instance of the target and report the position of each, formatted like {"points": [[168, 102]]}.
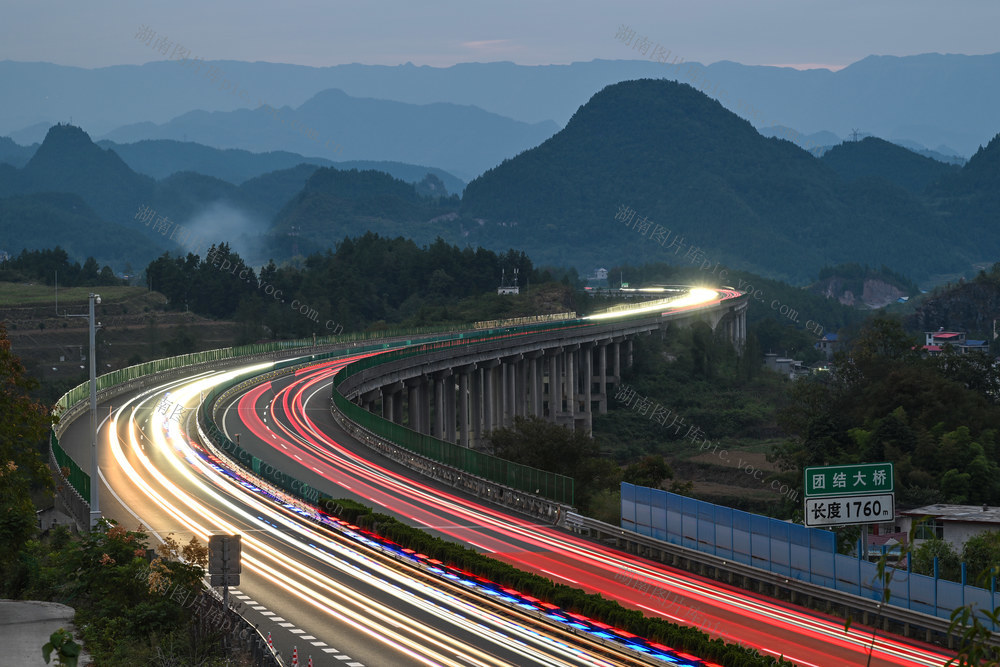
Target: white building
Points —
{"points": [[952, 523]]}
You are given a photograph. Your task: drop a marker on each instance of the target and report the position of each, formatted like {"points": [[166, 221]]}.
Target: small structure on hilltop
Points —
{"points": [[505, 288]]}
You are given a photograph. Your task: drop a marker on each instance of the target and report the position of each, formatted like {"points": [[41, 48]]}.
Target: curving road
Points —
{"points": [[288, 424], [313, 587], [351, 604]]}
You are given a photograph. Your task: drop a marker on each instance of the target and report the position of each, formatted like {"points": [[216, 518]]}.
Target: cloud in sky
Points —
{"points": [[805, 66], [486, 44]]}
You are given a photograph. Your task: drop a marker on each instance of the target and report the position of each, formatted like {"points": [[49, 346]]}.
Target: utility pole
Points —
{"points": [[95, 485]]}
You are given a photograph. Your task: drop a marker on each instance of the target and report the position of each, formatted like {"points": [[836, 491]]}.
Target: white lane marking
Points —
{"points": [[560, 576], [296, 631], [310, 637], [286, 624], [267, 613], [259, 608]]}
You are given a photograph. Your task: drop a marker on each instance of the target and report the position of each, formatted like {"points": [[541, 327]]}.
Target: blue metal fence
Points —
{"points": [[806, 554]]}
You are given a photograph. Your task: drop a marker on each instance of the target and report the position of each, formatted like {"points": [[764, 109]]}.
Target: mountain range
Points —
{"points": [[647, 170], [76, 194], [464, 140], [937, 100], [677, 158]]}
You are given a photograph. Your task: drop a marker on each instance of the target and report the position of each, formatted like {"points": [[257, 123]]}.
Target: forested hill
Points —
{"points": [[875, 158], [335, 204], [680, 159], [969, 306], [68, 161]]}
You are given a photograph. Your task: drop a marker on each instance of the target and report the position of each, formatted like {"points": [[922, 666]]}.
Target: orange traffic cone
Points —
{"points": [[295, 656], [270, 642]]}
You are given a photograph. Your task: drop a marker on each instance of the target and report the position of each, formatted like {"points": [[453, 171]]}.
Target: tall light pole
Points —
{"points": [[95, 510], [95, 486]]}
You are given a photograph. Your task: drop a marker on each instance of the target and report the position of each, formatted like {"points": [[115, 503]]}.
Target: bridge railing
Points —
{"points": [[78, 398], [492, 468]]}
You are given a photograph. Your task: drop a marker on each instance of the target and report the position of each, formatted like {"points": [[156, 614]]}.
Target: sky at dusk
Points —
{"points": [[800, 33]]}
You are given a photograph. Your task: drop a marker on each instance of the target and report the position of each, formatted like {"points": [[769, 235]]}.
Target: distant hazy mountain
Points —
{"points": [[871, 157], [932, 99], [33, 134], [15, 154], [461, 139], [725, 193], [163, 157], [74, 193], [816, 143], [942, 153]]}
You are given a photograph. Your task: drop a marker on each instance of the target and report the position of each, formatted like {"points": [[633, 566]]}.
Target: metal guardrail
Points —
{"points": [[891, 618], [123, 380], [488, 490]]}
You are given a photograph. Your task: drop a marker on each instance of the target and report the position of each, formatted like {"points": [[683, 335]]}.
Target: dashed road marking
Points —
{"points": [[296, 632]]}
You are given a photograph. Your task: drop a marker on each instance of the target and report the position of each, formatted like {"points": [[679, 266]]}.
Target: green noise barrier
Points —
{"points": [[493, 468]]}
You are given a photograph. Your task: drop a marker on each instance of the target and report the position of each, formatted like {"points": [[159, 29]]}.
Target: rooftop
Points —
{"points": [[969, 513]]}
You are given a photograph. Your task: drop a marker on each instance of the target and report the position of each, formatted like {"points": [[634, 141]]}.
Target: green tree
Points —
{"points": [[542, 444], [880, 345], [949, 564], [649, 471], [24, 426], [981, 553]]}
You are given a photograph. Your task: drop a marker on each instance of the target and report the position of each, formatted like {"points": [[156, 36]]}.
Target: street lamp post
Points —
{"points": [[95, 487]]}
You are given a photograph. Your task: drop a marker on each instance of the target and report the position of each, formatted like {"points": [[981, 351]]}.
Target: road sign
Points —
{"points": [[848, 480], [224, 564], [846, 510], [223, 580]]}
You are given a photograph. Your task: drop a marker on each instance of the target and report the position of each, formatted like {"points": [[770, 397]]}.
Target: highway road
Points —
{"points": [[288, 424], [337, 602], [309, 585]]}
